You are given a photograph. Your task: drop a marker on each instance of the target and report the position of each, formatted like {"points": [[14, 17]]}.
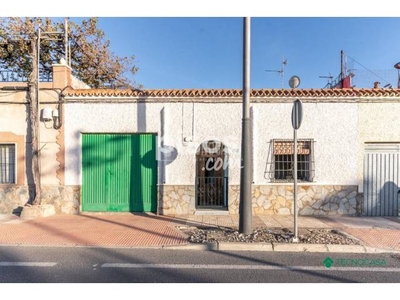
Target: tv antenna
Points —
{"points": [[330, 78], [281, 71]]}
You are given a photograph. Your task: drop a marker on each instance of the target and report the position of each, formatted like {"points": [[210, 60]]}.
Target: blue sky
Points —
{"points": [[177, 49], [206, 52]]}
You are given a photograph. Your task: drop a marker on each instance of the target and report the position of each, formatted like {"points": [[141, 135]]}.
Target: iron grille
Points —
{"points": [[280, 163], [211, 191], [7, 163], [13, 76]]}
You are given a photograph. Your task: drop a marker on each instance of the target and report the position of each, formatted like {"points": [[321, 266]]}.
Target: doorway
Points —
{"points": [[212, 176]]}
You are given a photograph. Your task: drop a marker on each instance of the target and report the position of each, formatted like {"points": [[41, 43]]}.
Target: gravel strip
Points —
{"points": [[265, 235]]}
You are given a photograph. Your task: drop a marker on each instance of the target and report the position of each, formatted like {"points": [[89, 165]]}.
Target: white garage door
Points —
{"points": [[381, 179]]}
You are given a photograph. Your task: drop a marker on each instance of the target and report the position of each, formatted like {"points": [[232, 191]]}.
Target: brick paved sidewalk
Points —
{"points": [[377, 232], [150, 230], [124, 229], [120, 230]]}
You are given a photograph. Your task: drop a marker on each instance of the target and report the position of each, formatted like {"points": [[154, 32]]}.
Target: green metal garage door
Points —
{"points": [[119, 172]]}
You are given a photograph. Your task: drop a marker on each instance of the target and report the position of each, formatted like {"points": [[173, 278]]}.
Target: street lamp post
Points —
{"points": [[245, 207]]}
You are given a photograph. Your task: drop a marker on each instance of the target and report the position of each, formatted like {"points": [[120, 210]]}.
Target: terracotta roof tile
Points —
{"points": [[232, 93]]}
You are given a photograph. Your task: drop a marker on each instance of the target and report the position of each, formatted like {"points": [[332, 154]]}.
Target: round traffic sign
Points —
{"points": [[297, 114]]}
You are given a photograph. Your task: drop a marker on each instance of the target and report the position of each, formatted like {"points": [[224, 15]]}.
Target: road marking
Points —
{"points": [[26, 264], [246, 267]]}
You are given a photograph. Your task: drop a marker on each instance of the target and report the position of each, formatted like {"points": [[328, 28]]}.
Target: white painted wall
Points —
{"points": [[378, 122], [48, 150], [333, 126], [14, 119], [129, 118]]}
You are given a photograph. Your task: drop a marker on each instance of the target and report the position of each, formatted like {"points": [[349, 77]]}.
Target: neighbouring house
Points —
{"points": [[178, 151], [16, 176]]}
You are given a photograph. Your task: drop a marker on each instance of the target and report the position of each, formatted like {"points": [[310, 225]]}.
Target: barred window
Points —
{"points": [[7, 163], [281, 164]]}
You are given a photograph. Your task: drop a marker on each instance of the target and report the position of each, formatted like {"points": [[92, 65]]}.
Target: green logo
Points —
{"points": [[354, 262], [328, 262]]}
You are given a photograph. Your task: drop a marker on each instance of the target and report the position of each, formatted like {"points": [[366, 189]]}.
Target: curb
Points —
{"points": [[203, 247], [269, 247], [232, 246], [245, 247]]}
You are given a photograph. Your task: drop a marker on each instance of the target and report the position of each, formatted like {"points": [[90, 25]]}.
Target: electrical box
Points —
{"points": [[47, 114]]}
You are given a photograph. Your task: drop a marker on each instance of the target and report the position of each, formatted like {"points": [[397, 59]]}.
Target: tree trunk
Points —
{"points": [[33, 114]]}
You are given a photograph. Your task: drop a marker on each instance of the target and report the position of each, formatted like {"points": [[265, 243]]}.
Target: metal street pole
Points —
{"points": [[245, 206], [297, 116], [295, 239]]}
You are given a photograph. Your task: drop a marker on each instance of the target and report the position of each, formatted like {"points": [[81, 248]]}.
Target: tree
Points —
{"points": [[91, 58], [18, 52], [91, 61]]}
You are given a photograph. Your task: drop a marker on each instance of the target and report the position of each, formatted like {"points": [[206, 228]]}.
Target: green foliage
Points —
{"points": [[91, 58]]}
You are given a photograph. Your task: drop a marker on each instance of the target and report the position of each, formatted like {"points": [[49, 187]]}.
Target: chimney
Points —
{"points": [[376, 84], [61, 75]]}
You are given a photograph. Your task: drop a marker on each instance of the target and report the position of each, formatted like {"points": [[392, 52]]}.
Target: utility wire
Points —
{"points": [[368, 69]]}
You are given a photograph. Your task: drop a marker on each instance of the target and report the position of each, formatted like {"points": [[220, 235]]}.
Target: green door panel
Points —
{"points": [[119, 172], [94, 173], [145, 174]]}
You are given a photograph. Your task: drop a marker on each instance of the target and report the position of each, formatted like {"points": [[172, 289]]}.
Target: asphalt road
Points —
{"points": [[22, 264]]}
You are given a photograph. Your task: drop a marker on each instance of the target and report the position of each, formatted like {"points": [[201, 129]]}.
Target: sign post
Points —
{"points": [[297, 116]]}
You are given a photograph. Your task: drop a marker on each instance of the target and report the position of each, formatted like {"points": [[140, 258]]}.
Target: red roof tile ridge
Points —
{"points": [[347, 92]]}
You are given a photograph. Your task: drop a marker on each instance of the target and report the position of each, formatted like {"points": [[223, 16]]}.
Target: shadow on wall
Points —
{"points": [[166, 154], [77, 149], [386, 202], [268, 171]]}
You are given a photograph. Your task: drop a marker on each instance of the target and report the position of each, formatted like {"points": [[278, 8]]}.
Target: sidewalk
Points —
{"points": [[150, 230], [376, 232]]}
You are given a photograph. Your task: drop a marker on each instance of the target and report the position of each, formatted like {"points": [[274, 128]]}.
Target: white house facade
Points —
{"points": [[347, 144], [178, 151]]}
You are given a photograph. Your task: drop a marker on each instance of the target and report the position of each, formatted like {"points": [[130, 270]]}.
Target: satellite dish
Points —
{"points": [[294, 81]]}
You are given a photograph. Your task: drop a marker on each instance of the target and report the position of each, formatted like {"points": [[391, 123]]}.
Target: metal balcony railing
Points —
{"points": [[12, 76]]}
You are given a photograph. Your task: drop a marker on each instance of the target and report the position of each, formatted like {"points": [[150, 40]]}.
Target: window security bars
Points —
{"points": [[7, 163], [280, 164]]}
